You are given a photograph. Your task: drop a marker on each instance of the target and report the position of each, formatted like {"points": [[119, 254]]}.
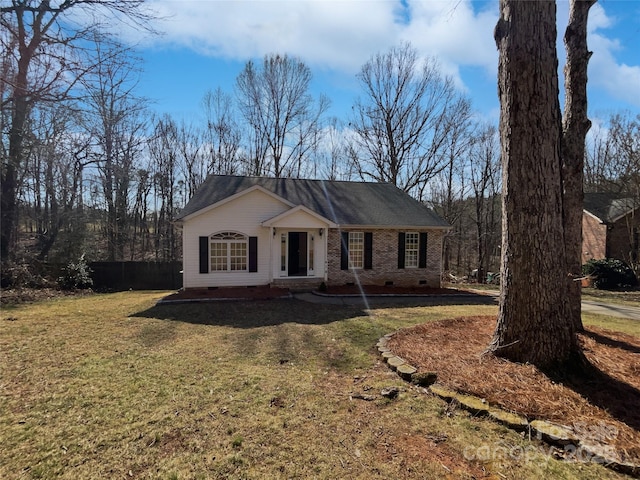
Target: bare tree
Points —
{"points": [[536, 323], [484, 177], [279, 110], [115, 120], [164, 147], [42, 44], [331, 153], [624, 132], [448, 190], [601, 168], [223, 134], [140, 237], [613, 165], [406, 116], [52, 181]]}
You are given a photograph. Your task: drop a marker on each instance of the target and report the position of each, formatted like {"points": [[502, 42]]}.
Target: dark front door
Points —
{"points": [[297, 254]]}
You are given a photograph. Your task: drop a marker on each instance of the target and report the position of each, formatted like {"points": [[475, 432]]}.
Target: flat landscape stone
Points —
{"points": [[396, 361], [442, 392], [406, 369], [553, 433], [511, 420], [472, 404]]}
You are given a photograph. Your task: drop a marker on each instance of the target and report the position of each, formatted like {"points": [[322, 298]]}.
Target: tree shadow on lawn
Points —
{"points": [[618, 397], [253, 313], [611, 342]]}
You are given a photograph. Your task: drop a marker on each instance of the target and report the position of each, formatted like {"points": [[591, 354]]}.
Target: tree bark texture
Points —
{"points": [[534, 318], [575, 125]]}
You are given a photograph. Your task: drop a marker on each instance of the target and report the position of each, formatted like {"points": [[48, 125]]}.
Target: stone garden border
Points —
{"points": [[560, 436]]}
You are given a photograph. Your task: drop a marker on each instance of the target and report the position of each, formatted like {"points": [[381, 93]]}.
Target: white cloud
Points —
{"points": [[454, 32], [340, 35], [619, 80], [337, 35]]}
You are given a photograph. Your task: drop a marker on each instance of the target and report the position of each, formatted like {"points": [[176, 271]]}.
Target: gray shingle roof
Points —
{"points": [[344, 203], [608, 207]]}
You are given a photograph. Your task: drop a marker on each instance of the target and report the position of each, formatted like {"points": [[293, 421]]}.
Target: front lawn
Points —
{"points": [[111, 386]]}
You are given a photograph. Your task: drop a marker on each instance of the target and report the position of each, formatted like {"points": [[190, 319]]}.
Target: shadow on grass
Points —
{"points": [[620, 399], [428, 301], [611, 342], [253, 313]]}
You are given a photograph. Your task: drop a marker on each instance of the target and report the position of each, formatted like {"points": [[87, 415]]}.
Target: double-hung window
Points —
{"points": [[229, 252], [356, 249], [411, 249]]}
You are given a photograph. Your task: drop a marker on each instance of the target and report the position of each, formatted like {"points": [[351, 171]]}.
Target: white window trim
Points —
{"points": [[352, 266], [415, 249], [229, 238]]}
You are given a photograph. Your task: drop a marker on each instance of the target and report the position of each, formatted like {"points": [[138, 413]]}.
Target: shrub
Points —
{"points": [[76, 275], [24, 273], [609, 274]]}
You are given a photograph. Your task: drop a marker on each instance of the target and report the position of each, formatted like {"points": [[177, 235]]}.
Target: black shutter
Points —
{"points": [[401, 247], [253, 254], [344, 251], [368, 250], [204, 254], [422, 252]]}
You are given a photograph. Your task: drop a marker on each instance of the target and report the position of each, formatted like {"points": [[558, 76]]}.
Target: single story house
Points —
{"points": [[610, 227], [250, 231]]}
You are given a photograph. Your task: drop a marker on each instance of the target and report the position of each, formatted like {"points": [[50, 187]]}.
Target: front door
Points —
{"points": [[297, 254]]}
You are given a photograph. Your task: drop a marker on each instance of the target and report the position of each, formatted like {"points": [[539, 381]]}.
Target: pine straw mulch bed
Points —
{"points": [[605, 408]]}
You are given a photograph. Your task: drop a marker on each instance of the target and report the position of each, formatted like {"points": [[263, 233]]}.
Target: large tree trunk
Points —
{"points": [[575, 125], [534, 323]]}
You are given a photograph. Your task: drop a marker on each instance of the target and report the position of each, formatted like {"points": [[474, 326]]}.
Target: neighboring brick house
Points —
{"points": [[610, 227], [242, 231]]}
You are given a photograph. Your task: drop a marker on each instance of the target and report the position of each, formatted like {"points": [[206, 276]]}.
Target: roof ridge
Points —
{"points": [[364, 182]]}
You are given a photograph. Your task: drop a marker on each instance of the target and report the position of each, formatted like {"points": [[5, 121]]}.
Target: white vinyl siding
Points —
{"points": [[243, 214]]}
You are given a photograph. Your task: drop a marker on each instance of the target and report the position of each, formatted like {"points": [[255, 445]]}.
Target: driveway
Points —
{"points": [[613, 310]]}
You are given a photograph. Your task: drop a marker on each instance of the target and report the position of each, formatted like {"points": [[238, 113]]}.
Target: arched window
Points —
{"points": [[229, 252]]}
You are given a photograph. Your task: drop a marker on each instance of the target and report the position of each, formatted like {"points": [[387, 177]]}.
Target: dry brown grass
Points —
{"points": [[112, 386]]}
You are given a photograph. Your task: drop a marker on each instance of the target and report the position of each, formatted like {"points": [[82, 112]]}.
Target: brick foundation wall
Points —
{"points": [[385, 261]]}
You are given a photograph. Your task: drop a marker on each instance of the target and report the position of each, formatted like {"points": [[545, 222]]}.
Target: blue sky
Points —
{"points": [[207, 42]]}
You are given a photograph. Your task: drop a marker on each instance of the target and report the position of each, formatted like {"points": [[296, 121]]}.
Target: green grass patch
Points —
{"points": [[631, 298], [112, 386], [632, 327]]}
